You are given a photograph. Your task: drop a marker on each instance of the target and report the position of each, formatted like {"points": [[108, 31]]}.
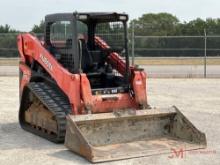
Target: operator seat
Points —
{"points": [[86, 59]]}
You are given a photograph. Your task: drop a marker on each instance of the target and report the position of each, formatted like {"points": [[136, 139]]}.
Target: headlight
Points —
{"points": [[122, 18], [82, 17]]}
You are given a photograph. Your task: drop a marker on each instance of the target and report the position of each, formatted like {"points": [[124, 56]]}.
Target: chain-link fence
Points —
{"points": [[143, 46], [147, 49], [176, 46], [199, 54], [8, 47], [8, 44]]}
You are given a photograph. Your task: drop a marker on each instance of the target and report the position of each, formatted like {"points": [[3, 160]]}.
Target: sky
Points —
{"points": [[23, 14]]}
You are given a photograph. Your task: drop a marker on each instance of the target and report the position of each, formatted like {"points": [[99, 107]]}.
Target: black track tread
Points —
{"points": [[56, 103]]}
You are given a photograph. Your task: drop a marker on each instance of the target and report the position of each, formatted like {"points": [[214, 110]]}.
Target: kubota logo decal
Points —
{"points": [[46, 62]]}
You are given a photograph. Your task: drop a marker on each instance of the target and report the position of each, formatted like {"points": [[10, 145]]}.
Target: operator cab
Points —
{"points": [[71, 38]]}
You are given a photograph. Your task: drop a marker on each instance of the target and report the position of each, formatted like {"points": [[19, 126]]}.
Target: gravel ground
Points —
{"points": [[198, 99]]}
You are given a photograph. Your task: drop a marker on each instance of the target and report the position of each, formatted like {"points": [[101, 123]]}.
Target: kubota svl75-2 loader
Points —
{"points": [[76, 85]]}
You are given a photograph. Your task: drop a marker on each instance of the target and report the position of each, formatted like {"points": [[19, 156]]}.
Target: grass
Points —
{"points": [[9, 61], [176, 61]]}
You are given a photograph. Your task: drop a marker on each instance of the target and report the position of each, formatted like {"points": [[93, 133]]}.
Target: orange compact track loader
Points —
{"points": [[76, 85]]}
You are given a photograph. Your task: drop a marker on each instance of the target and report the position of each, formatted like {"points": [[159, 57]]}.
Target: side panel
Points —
{"points": [[69, 83]]}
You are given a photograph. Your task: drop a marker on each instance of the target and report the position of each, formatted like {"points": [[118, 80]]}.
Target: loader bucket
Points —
{"points": [[130, 134]]}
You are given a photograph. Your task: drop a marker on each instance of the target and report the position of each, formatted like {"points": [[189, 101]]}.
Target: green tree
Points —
{"points": [[213, 26], [38, 28], [156, 24], [197, 26], [6, 29], [194, 27]]}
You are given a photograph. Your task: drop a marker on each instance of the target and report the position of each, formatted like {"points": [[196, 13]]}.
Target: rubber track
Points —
{"points": [[57, 104]]}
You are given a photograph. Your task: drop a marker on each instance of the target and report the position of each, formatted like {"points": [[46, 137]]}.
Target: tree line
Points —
{"points": [[161, 24], [165, 24]]}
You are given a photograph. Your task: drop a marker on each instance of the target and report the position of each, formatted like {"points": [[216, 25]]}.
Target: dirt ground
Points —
{"points": [[198, 99]]}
